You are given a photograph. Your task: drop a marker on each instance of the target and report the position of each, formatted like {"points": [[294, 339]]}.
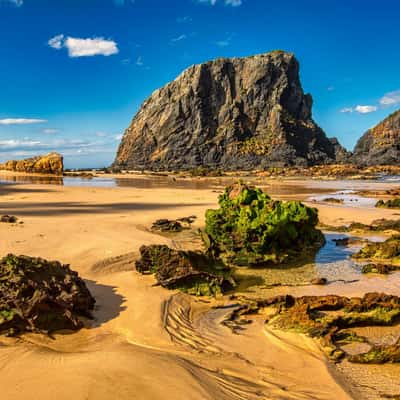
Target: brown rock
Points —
{"points": [[51, 163]]}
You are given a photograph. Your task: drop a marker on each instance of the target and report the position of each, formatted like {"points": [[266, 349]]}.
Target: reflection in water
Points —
{"points": [[37, 179]]}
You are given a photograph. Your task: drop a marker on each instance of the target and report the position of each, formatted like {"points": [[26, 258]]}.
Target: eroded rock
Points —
{"points": [[51, 163], [41, 296], [189, 271]]}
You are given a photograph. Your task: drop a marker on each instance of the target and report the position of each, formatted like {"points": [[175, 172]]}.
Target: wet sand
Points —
{"points": [[146, 342]]}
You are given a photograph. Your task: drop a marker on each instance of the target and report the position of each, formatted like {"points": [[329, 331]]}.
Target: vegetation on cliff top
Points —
{"points": [[250, 228]]}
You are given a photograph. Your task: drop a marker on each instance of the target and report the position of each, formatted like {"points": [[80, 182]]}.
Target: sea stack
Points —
{"points": [[381, 144], [230, 113]]}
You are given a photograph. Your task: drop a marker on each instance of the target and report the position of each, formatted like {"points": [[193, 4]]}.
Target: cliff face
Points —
{"points": [[381, 144], [51, 163], [239, 113]]}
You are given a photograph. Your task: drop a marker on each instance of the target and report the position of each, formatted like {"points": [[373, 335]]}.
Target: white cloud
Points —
{"points": [[365, 109], [139, 61], [330, 88], [79, 47], [359, 109], [347, 110], [232, 3], [21, 121], [183, 20], [118, 137], [179, 38], [390, 99], [101, 134], [17, 3], [50, 131], [223, 43]]}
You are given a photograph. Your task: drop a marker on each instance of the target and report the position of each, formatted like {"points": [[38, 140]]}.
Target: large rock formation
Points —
{"points": [[237, 113], [51, 163], [381, 144]]}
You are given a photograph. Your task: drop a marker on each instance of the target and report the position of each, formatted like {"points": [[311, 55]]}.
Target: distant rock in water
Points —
{"points": [[230, 113], [51, 163], [381, 144]]}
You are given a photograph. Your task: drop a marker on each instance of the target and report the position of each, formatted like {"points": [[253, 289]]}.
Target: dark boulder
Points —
{"points": [[41, 296]]}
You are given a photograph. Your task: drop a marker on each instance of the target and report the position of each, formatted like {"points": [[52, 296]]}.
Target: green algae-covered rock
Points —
{"points": [[192, 272], [389, 250], [250, 228], [393, 203], [41, 296]]}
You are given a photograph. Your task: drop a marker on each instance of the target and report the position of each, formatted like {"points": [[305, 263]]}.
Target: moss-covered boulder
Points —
{"points": [[250, 228], [389, 250], [379, 355], [393, 203], [192, 272], [41, 296]]}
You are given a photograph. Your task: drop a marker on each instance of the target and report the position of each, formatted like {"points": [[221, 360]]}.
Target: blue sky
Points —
{"points": [[74, 72]]}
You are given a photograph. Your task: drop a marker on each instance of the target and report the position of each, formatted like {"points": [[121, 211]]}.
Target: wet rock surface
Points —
{"points": [[9, 219], [229, 113], [332, 319], [378, 225], [251, 229], [41, 296], [389, 250], [51, 163], [189, 271]]}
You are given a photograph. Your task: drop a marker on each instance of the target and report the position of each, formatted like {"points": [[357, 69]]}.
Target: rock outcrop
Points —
{"points": [[250, 228], [230, 113], [381, 144], [192, 272], [51, 163], [41, 296]]}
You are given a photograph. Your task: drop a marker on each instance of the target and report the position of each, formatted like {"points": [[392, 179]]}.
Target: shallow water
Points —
{"points": [[331, 262]]}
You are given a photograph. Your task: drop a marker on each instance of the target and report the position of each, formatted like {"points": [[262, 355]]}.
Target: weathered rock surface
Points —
{"points": [[189, 271], [381, 144], [250, 228], [41, 296], [51, 163], [392, 203], [237, 113], [331, 319], [389, 250]]}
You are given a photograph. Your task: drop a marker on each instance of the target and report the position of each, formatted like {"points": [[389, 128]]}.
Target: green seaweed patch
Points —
{"points": [[251, 229], [393, 203], [388, 250]]}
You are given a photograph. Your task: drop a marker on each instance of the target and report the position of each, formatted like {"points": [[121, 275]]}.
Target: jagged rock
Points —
{"points": [[250, 228], [51, 163], [381, 144], [333, 200], [189, 271], [319, 281], [230, 113], [393, 203], [389, 250], [41, 296]]}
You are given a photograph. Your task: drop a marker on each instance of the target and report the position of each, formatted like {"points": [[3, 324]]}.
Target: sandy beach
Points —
{"points": [[146, 342]]}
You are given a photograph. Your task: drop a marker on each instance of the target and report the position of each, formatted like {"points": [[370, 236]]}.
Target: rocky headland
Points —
{"points": [[229, 113]]}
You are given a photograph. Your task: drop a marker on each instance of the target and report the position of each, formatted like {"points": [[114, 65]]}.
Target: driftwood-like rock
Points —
{"points": [[41, 296], [191, 272]]}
